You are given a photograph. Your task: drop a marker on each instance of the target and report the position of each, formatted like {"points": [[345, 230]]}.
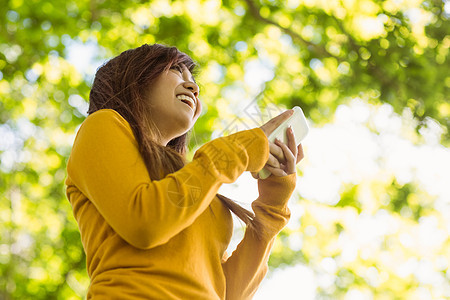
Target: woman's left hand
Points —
{"points": [[287, 156]]}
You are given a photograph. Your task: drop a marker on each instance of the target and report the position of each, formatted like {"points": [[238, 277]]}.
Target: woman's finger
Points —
{"points": [[277, 152], [300, 153], [290, 158], [273, 124], [275, 171], [287, 152], [273, 161], [291, 141]]}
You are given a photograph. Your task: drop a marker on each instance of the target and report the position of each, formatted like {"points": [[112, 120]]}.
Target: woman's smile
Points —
{"points": [[188, 100]]}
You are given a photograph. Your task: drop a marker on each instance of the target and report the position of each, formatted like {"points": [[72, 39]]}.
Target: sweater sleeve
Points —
{"points": [[246, 267], [106, 166]]}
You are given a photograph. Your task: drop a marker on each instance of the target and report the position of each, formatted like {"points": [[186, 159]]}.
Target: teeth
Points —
{"points": [[189, 99]]}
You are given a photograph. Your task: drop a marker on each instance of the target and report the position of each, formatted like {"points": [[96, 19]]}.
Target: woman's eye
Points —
{"points": [[177, 69]]}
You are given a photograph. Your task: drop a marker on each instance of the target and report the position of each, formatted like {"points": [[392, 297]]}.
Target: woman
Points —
{"points": [[151, 224]]}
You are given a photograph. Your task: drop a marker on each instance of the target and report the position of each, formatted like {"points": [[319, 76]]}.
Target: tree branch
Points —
{"points": [[320, 51]]}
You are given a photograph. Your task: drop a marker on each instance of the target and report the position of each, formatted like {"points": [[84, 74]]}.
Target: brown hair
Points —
{"points": [[120, 84]]}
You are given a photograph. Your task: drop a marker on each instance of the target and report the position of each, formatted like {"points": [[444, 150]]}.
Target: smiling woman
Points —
{"points": [[152, 225], [172, 96]]}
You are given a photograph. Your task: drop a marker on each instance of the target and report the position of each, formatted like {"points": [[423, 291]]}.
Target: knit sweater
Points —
{"points": [[167, 238]]}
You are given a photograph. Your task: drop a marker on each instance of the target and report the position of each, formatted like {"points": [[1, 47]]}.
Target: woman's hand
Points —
{"points": [[291, 153], [282, 158], [273, 123], [276, 155]]}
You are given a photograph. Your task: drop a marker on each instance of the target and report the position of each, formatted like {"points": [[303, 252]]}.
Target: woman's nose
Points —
{"points": [[192, 86]]}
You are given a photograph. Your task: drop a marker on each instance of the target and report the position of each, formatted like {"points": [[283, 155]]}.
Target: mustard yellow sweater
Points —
{"points": [[167, 239]]}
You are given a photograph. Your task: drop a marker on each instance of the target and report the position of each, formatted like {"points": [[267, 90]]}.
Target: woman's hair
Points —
{"points": [[122, 83]]}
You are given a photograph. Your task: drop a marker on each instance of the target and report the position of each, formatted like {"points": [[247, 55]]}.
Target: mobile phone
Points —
{"points": [[300, 128]]}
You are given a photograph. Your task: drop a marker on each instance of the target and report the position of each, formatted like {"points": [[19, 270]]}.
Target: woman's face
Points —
{"points": [[174, 104]]}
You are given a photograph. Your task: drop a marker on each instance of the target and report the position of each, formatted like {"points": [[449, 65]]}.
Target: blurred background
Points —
{"points": [[371, 210]]}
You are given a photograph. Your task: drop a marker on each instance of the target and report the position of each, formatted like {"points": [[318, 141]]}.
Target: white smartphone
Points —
{"points": [[300, 128]]}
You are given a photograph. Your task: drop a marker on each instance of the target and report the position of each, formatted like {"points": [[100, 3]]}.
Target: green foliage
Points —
{"points": [[407, 200], [316, 56], [350, 198]]}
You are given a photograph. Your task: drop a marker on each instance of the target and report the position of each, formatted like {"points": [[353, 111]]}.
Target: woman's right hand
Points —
{"points": [[273, 123], [276, 154]]}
